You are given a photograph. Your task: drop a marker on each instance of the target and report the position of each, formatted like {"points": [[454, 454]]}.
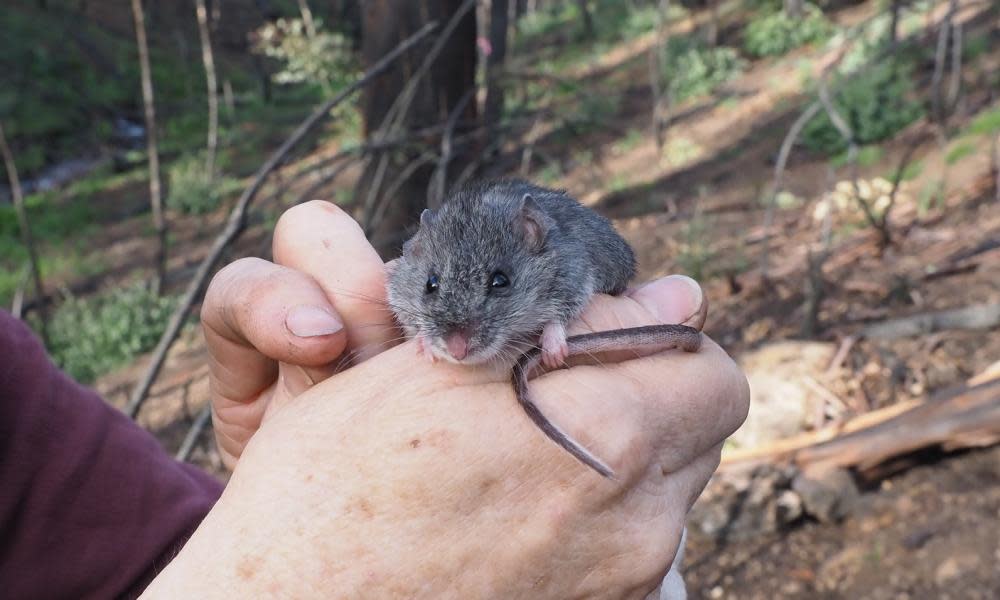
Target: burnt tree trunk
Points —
{"points": [[450, 76], [493, 107]]}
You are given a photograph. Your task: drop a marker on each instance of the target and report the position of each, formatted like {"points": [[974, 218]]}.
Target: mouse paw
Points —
{"points": [[424, 350], [555, 351]]}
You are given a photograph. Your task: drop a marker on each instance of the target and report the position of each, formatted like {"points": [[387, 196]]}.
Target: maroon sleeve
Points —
{"points": [[90, 504]]}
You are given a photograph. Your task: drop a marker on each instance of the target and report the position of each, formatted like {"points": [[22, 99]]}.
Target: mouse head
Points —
{"points": [[472, 282]]}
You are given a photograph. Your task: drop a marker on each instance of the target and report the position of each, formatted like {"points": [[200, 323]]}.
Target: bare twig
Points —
{"points": [[779, 170], [439, 180], [17, 304], [955, 86], [660, 92], [26, 238], [201, 421], [879, 224], [897, 179], [149, 111], [237, 218], [395, 118]]}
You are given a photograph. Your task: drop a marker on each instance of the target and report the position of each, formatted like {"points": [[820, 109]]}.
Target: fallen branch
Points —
{"points": [[967, 418], [200, 422], [237, 218], [979, 316]]}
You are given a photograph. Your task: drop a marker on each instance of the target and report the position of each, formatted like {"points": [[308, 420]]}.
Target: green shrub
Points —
{"points": [[191, 191], [876, 104], [90, 337], [693, 70], [776, 33]]}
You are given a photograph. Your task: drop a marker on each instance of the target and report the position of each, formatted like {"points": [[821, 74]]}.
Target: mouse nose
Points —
{"points": [[458, 343]]}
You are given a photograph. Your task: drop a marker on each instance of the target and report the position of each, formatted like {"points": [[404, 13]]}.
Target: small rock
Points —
{"points": [[828, 494], [716, 592], [954, 567]]}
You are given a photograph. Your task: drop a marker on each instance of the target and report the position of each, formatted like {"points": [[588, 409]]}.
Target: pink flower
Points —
{"points": [[484, 46]]}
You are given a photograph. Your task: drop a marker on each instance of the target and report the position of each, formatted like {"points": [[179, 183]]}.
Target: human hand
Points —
{"points": [[395, 478], [275, 329]]}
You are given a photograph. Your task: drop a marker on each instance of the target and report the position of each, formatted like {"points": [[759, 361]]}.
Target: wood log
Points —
{"points": [[963, 418], [978, 316], [969, 417]]}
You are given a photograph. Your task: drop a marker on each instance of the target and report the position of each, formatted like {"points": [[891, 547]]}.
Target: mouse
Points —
{"points": [[498, 272]]}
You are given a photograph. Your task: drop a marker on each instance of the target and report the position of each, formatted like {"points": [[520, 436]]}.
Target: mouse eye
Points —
{"points": [[432, 284], [499, 280]]}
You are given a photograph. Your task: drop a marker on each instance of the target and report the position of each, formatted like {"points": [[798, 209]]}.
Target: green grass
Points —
{"points": [[630, 141], [867, 156], [959, 151], [986, 122], [910, 172]]}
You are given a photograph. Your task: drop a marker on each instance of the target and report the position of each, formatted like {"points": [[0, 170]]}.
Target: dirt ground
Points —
{"points": [[931, 531]]}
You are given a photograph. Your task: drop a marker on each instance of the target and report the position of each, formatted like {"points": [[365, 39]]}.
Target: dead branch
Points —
{"points": [[26, 238], [201, 421], [660, 93], [237, 218], [779, 170], [969, 417], [978, 316], [439, 180], [955, 86]]}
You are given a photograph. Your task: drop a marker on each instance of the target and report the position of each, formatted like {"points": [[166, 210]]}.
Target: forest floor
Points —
{"points": [[930, 531]]}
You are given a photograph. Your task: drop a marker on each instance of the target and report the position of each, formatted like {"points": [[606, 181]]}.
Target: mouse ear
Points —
{"points": [[427, 217], [532, 223]]}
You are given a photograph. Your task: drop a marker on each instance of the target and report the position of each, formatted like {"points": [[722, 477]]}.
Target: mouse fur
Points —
{"points": [[551, 252]]}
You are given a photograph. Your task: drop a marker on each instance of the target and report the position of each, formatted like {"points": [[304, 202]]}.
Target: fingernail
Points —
{"points": [[310, 321], [673, 299]]}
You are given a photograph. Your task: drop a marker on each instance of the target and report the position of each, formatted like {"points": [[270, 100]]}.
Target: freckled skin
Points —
{"points": [[554, 253]]}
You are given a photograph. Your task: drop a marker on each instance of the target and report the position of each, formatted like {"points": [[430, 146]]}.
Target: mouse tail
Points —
{"points": [[524, 366]]}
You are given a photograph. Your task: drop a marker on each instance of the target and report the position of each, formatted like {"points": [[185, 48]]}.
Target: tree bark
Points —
{"points": [[588, 19], [211, 86], [155, 188], [449, 77], [25, 226]]}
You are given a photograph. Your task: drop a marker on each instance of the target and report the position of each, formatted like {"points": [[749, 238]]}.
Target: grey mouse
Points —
{"points": [[498, 272]]}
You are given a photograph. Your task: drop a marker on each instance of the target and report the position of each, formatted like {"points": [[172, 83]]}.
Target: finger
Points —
{"points": [[668, 407], [257, 313], [319, 239], [676, 299]]}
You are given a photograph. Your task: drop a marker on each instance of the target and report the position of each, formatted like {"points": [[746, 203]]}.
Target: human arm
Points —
{"points": [[90, 504]]}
